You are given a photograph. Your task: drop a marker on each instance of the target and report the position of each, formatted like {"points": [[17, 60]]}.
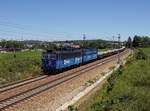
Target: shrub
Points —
{"points": [[72, 108], [140, 55]]}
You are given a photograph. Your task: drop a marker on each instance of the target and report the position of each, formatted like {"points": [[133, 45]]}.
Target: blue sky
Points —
{"points": [[69, 19]]}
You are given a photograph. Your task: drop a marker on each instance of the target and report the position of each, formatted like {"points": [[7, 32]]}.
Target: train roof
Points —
{"points": [[68, 50]]}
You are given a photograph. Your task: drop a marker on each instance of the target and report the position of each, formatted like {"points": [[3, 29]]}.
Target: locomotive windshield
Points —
{"points": [[49, 56]]}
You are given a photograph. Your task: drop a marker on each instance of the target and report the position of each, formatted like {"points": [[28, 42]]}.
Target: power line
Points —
{"points": [[25, 34], [119, 60], [21, 28]]}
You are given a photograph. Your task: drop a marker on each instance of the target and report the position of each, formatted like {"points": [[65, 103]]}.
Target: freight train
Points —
{"points": [[56, 61]]}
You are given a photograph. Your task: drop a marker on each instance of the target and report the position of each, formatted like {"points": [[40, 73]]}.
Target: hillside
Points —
{"points": [[127, 89]]}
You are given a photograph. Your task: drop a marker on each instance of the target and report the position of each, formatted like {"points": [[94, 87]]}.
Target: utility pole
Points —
{"points": [[21, 43], [119, 61], [5, 44], [83, 45], [113, 42], [84, 37]]}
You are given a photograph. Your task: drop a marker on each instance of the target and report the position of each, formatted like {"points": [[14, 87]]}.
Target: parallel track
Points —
{"points": [[32, 92], [21, 83]]}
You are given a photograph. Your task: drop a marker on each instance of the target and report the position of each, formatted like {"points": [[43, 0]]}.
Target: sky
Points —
{"points": [[69, 19]]}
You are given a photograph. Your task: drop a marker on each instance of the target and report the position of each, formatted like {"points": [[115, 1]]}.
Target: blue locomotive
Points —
{"points": [[63, 59]]}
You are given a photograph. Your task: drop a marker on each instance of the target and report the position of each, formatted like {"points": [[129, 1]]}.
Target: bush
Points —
{"points": [[72, 108], [140, 55]]}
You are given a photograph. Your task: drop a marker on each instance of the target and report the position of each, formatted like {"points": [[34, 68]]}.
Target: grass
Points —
{"points": [[128, 89], [102, 50], [19, 65], [105, 49]]}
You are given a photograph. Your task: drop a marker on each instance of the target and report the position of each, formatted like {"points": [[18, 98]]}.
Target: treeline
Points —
{"points": [[99, 44], [26, 44], [56, 45], [138, 41], [11, 44], [141, 41]]}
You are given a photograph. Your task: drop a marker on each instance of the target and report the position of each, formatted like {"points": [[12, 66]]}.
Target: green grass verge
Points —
{"points": [[128, 89], [20, 66], [103, 50]]}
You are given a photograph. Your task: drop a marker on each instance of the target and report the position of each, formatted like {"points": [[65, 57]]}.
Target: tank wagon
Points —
{"points": [[53, 61]]}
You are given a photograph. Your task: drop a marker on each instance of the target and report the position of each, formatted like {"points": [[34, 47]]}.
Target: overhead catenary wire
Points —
{"points": [[17, 28], [18, 31], [119, 60]]}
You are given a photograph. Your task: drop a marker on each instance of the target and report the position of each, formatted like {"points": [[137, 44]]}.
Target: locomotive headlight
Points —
{"points": [[66, 61]]}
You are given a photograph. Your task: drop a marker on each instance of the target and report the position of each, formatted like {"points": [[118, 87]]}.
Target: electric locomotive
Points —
{"points": [[53, 61]]}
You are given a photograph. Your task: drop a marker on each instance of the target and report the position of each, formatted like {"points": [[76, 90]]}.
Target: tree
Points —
{"points": [[145, 42], [129, 43], [141, 41], [11, 44], [137, 41]]}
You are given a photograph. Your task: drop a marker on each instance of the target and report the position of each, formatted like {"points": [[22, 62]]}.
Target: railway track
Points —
{"points": [[20, 83], [36, 90]]}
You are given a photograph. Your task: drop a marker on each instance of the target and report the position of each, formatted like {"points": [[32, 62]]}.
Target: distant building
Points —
{"points": [[29, 45], [3, 50], [75, 46]]}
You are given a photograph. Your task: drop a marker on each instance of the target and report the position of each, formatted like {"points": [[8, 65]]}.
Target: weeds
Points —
{"points": [[90, 81], [72, 108], [23, 65], [140, 55]]}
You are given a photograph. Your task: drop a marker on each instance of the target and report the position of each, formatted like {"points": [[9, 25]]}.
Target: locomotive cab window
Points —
{"points": [[51, 56], [44, 55]]}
